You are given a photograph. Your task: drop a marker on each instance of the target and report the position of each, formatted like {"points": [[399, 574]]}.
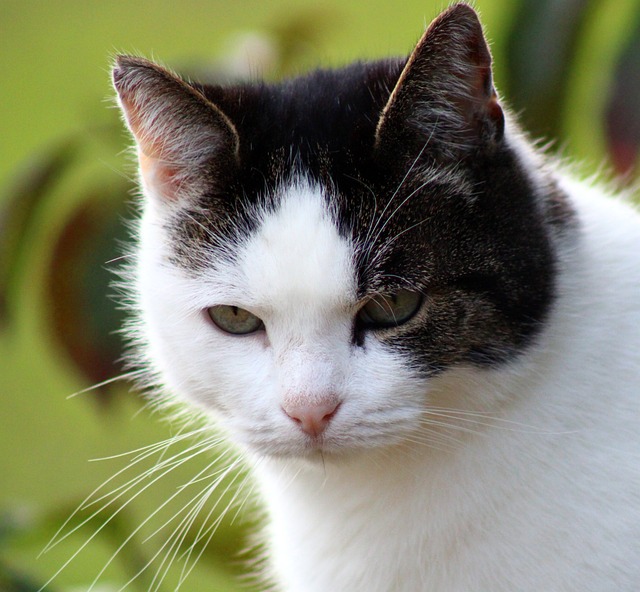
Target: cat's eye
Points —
{"points": [[382, 311], [234, 320]]}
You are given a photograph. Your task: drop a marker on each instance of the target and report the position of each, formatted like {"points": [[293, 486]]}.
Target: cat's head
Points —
{"points": [[314, 254]]}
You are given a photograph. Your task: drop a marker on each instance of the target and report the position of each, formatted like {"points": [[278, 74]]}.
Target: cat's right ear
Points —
{"points": [[445, 96], [182, 138]]}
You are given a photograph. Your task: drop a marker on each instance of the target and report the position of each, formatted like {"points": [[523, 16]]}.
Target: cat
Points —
{"points": [[420, 330]]}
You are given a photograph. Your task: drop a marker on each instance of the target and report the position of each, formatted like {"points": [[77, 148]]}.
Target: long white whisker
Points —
{"points": [[211, 530], [490, 421], [435, 441], [181, 532], [144, 452], [399, 207], [429, 421], [171, 463], [170, 540], [147, 519], [176, 540], [153, 448], [171, 466], [219, 475], [229, 469], [124, 376], [406, 176]]}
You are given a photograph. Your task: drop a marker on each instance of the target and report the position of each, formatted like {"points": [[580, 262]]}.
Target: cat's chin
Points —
{"points": [[318, 451], [311, 457], [312, 451]]}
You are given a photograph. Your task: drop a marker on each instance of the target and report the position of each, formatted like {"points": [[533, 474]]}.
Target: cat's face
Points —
{"points": [[292, 370], [314, 254]]}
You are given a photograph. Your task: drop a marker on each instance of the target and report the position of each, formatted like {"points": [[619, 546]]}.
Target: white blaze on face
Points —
{"points": [[297, 257], [299, 272]]}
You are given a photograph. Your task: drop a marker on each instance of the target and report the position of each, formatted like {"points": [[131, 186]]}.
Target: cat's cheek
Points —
{"points": [[391, 389], [199, 365]]}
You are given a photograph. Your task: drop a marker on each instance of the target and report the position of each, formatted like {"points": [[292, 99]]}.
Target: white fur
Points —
{"points": [[533, 483]]}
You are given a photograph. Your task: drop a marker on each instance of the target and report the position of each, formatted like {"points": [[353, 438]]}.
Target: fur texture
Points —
{"points": [[488, 441]]}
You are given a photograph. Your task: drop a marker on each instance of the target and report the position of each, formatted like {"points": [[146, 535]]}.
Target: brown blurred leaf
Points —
{"points": [[276, 51], [17, 210], [84, 316], [623, 109], [302, 33], [540, 50]]}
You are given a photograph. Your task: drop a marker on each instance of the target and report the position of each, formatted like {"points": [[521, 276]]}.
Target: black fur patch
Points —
{"points": [[469, 226]]}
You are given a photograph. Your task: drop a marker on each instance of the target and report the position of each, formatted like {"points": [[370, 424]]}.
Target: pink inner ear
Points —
{"points": [[147, 142], [161, 177], [483, 100]]}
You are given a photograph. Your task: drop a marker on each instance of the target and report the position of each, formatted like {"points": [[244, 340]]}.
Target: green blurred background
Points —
{"points": [[570, 68]]}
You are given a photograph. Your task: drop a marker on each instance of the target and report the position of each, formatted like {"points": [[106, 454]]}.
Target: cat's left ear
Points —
{"points": [[445, 97], [184, 141]]}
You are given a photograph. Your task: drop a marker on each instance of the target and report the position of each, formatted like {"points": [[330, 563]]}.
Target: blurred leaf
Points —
{"points": [[12, 581], [540, 49], [168, 539], [85, 318], [622, 120], [301, 34], [17, 210], [113, 525]]}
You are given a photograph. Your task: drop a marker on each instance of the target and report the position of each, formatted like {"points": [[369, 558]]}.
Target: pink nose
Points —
{"points": [[313, 417]]}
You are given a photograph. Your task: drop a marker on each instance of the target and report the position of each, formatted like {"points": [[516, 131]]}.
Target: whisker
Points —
{"points": [[151, 448], [444, 435], [168, 465], [219, 475], [449, 426], [124, 376], [120, 258], [89, 500], [229, 469], [172, 540], [171, 463], [493, 421], [398, 208], [145, 521], [175, 541], [181, 532], [402, 182], [211, 532], [394, 238], [434, 441]]}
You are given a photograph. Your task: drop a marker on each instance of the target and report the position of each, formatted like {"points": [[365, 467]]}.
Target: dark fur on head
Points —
{"points": [[413, 157]]}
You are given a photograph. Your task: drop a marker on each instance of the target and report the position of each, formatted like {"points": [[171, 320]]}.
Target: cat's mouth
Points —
{"points": [[308, 448], [334, 444], [272, 444]]}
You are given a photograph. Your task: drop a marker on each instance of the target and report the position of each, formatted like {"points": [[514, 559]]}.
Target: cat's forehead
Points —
{"points": [[296, 257]]}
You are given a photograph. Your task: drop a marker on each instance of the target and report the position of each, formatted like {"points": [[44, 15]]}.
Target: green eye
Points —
{"points": [[390, 311], [234, 320]]}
